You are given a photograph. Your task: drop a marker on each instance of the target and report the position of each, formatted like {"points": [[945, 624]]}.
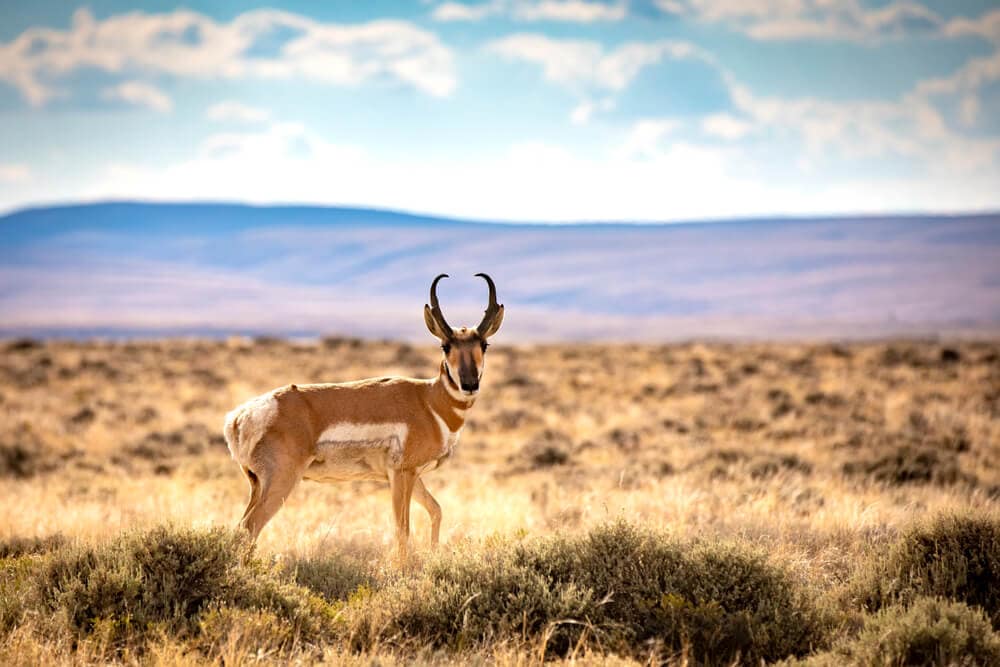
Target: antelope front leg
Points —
{"points": [[401, 483]]}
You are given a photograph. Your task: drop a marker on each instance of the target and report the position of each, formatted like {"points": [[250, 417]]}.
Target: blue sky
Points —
{"points": [[507, 109]]}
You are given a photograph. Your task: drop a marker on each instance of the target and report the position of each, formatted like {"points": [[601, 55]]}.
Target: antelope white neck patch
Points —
{"points": [[449, 438]]}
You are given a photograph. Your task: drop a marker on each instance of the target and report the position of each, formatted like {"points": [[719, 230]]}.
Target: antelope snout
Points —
{"points": [[470, 387]]}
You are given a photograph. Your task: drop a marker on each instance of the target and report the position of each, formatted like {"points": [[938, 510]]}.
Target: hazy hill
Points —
{"points": [[131, 268]]}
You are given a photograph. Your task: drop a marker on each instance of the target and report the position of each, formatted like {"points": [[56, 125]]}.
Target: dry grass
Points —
{"points": [[815, 454]]}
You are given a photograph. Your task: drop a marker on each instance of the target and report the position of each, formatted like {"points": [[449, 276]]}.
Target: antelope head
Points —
{"points": [[464, 349]]}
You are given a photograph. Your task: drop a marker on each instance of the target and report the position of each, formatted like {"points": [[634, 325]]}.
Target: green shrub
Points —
{"points": [[931, 631], [618, 588], [465, 602], [954, 557], [717, 600], [164, 581], [333, 577]]}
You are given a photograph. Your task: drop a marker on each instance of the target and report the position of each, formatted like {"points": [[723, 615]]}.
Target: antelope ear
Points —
{"points": [[433, 325], [494, 325]]}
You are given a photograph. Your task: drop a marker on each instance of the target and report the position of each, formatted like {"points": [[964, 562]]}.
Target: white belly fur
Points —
{"points": [[350, 451], [349, 464]]}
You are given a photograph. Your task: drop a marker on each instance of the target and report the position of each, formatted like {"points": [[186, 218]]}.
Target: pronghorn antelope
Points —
{"points": [[391, 428]]}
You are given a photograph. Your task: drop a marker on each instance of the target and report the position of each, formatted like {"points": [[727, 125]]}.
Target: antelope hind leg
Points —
{"points": [[276, 481], [426, 500]]}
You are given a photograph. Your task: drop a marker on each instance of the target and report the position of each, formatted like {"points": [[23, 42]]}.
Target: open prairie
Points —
{"points": [[807, 463]]}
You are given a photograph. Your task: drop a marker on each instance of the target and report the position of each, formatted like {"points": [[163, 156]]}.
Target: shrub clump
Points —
{"points": [[25, 459], [912, 465], [954, 557], [14, 547], [550, 448], [931, 631], [334, 578], [167, 581], [617, 588]]}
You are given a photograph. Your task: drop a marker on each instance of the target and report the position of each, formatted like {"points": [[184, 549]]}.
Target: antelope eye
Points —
{"points": [[446, 347], [484, 345]]}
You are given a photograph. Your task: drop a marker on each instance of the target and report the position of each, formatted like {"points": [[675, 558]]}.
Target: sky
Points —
{"points": [[536, 110]]}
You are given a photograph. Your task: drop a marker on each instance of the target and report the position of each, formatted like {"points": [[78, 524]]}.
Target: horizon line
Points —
{"points": [[775, 217]]}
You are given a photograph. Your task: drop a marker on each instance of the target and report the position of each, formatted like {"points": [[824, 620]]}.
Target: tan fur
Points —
{"points": [[390, 429]]}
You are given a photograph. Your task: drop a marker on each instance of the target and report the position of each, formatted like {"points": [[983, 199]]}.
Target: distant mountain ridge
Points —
{"points": [[130, 268]]}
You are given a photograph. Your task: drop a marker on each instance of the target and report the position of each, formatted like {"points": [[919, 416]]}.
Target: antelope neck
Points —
{"points": [[445, 404]]}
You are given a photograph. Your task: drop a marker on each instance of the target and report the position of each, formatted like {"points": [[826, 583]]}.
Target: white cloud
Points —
{"points": [[810, 19], [661, 177], [910, 127], [970, 77], [645, 138], [278, 142], [588, 69], [188, 44], [976, 73], [577, 11], [14, 173], [571, 11], [814, 133], [653, 171], [986, 26], [583, 65], [458, 11], [139, 94], [229, 110], [567, 62], [725, 126], [530, 180], [582, 113]]}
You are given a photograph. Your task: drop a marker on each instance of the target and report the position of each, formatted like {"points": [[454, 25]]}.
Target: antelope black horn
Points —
{"points": [[492, 308], [436, 307]]}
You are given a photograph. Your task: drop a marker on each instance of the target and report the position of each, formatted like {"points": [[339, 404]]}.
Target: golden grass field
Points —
{"points": [[816, 455]]}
